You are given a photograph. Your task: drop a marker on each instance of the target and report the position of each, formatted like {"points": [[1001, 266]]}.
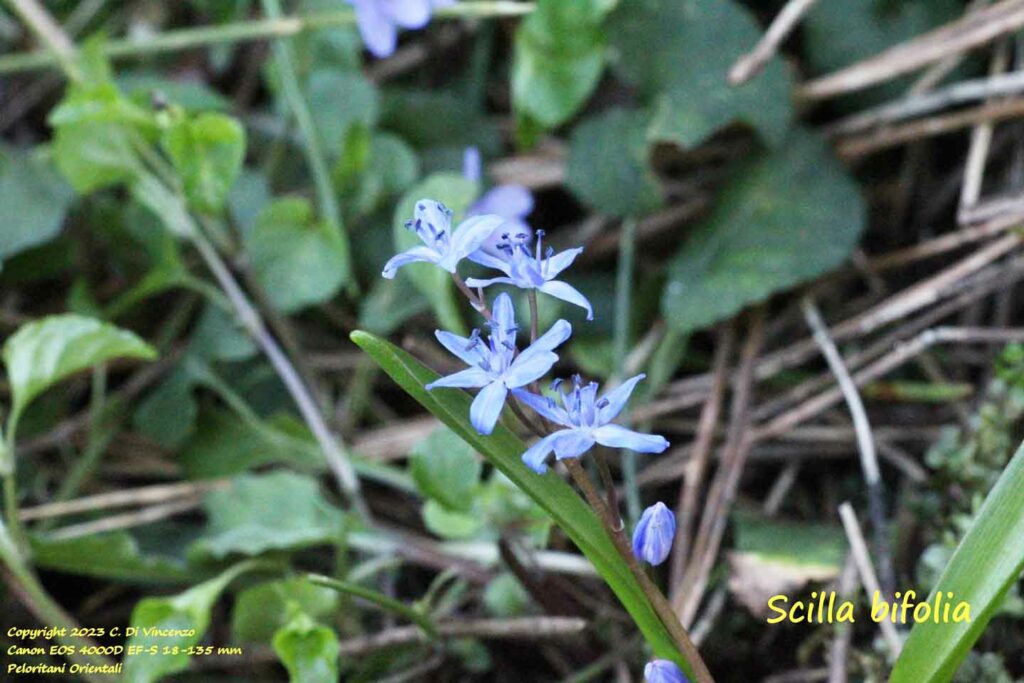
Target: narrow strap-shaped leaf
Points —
{"points": [[503, 449], [986, 563]]}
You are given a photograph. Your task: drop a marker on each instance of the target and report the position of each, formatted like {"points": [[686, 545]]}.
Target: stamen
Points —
{"points": [[555, 383], [603, 403]]}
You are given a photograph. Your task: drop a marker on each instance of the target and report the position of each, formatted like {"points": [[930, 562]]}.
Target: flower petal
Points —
{"points": [[490, 260], [566, 292], [408, 13], [486, 407], [458, 346], [654, 534], [434, 214], [376, 27], [553, 338], [616, 436], [470, 378], [535, 455], [617, 399], [475, 282], [507, 201], [559, 262], [664, 671], [471, 234], [503, 319], [543, 406], [529, 368], [471, 164], [572, 444], [406, 257]]}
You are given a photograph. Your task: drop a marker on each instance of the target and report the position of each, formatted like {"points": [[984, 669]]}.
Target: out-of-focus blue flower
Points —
{"points": [[587, 421], [432, 222], [664, 671], [512, 202], [495, 367], [379, 20], [534, 268], [654, 533]]}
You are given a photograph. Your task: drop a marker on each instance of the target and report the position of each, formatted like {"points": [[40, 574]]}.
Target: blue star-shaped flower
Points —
{"points": [[432, 222], [654, 533], [587, 420], [664, 671], [495, 366], [528, 268]]}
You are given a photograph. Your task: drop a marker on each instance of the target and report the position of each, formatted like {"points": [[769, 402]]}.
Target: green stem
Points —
{"points": [[17, 532], [284, 58], [379, 599], [242, 31], [623, 299]]}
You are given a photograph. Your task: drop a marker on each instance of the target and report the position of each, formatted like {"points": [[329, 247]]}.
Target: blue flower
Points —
{"points": [[664, 671], [432, 222], [379, 20], [528, 268], [495, 367], [654, 533], [587, 421], [512, 202]]}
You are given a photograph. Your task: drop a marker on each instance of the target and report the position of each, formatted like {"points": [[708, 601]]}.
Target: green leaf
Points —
{"points": [[446, 469], [95, 133], [457, 193], [390, 166], [261, 512], [608, 164], [262, 609], [165, 204], [789, 216], [503, 450], [114, 556], [46, 351], [451, 524], [35, 201], [988, 561], [168, 414], [308, 650], [678, 53], [505, 596], [559, 57], [339, 99], [207, 152], [165, 623], [298, 260]]}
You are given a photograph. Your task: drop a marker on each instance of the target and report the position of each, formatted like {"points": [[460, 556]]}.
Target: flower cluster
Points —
{"points": [[496, 365]]}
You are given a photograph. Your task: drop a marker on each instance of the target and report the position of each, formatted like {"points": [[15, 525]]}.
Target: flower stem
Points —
{"points": [[620, 339], [654, 595], [531, 295], [477, 303], [259, 29], [379, 599]]}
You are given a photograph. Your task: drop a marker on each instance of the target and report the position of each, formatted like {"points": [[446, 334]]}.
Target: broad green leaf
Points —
{"points": [[457, 193], [787, 217], [168, 413], [207, 152], [262, 609], [308, 650], [437, 118], [165, 204], [390, 166], [96, 133], [160, 621], [678, 52], [114, 556], [261, 512], [339, 99], [446, 469], [836, 34], [451, 524], [608, 165], [224, 445], [193, 95], [298, 260], [559, 57], [505, 596], [503, 450], [35, 199], [988, 561], [219, 336], [46, 351]]}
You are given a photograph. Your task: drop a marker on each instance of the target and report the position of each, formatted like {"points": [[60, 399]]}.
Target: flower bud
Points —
{"points": [[663, 671], [652, 538]]}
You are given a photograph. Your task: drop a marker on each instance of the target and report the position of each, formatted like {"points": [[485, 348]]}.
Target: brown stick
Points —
{"points": [[751, 64], [964, 34]]}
